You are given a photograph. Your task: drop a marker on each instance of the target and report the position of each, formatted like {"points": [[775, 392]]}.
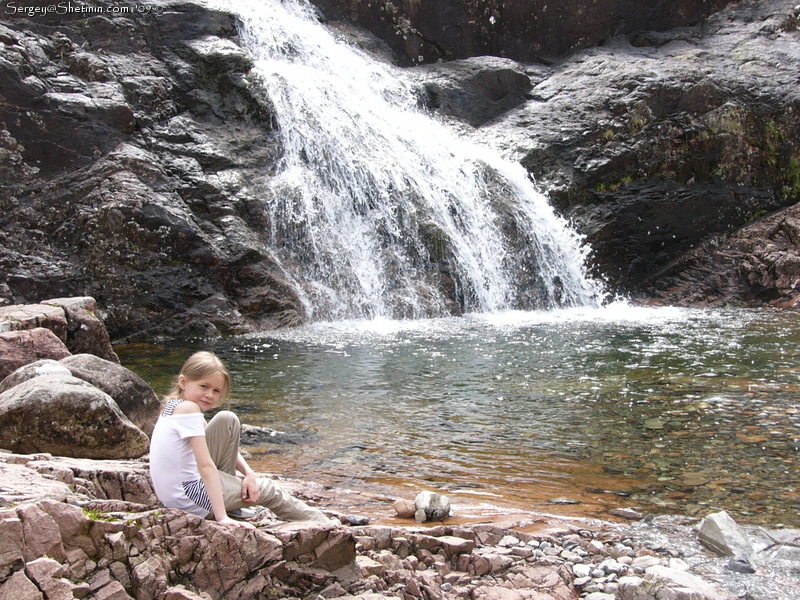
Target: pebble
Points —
{"points": [[508, 541], [678, 564], [570, 556], [595, 547], [563, 501], [582, 570], [610, 566], [642, 562]]}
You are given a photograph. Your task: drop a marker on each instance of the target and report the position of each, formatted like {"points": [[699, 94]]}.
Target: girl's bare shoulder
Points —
{"points": [[185, 408]]}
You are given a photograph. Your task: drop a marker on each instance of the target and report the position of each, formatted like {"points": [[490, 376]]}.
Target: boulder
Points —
{"points": [[86, 333], [46, 366], [431, 506], [18, 348], [404, 508], [475, 90], [720, 533], [682, 582], [132, 394], [20, 317], [67, 416]]}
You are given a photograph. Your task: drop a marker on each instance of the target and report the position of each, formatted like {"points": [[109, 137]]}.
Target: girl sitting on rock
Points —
{"points": [[194, 464]]}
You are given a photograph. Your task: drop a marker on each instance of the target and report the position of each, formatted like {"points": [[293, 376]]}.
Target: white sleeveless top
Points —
{"points": [[173, 467]]}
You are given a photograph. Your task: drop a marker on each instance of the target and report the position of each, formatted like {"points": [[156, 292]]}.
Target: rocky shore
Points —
{"points": [[88, 525], [93, 529]]}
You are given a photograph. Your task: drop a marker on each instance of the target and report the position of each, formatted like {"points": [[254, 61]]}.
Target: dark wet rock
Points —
{"points": [[669, 151], [253, 435], [476, 89], [760, 262], [126, 184], [526, 30], [741, 565]]}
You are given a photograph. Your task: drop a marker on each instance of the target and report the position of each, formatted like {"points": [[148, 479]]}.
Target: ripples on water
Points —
{"points": [[661, 409]]}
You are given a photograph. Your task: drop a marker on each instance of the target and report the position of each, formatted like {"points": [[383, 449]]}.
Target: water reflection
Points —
{"points": [[667, 410]]}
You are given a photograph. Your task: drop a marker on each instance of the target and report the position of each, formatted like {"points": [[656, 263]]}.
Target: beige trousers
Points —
{"points": [[222, 437]]}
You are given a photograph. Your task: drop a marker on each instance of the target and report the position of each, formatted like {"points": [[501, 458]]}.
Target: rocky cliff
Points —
{"points": [[124, 141], [133, 144], [677, 153], [525, 30]]}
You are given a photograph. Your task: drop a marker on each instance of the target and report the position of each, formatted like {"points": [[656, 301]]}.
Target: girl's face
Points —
{"points": [[205, 392]]}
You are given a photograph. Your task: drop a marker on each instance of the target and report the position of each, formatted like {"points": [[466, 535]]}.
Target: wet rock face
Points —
{"points": [[121, 137], [525, 30], [661, 147]]}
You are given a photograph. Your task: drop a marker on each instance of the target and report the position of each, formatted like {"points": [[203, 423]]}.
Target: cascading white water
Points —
{"points": [[378, 209]]}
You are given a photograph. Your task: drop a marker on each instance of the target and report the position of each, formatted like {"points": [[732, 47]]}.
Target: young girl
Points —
{"points": [[194, 464]]}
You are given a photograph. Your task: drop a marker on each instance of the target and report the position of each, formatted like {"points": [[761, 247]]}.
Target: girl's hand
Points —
{"points": [[235, 523], [250, 490]]}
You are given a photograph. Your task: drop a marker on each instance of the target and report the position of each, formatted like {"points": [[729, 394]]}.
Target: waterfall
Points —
{"points": [[378, 209]]}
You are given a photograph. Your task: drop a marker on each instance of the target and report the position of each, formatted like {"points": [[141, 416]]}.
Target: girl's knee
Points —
{"points": [[226, 417]]}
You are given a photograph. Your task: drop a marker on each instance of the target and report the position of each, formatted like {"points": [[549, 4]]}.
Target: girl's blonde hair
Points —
{"points": [[199, 365]]}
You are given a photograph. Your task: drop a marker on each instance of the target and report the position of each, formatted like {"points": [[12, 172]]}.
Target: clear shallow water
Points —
{"points": [[659, 409]]}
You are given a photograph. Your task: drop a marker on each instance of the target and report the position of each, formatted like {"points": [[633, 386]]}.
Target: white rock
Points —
{"points": [[646, 561], [582, 570], [508, 541], [720, 533]]}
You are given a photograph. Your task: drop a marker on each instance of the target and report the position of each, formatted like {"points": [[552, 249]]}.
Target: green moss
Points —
{"points": [[791, 186], [637, 123], [773, 138], [96, 515]]}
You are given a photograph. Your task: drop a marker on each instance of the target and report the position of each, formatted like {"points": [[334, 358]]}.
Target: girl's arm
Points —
{"points": [[210, 476], [250, 490]]}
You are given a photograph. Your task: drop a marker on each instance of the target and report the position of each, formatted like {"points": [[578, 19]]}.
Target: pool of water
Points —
{"points": [[662, 410]]}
